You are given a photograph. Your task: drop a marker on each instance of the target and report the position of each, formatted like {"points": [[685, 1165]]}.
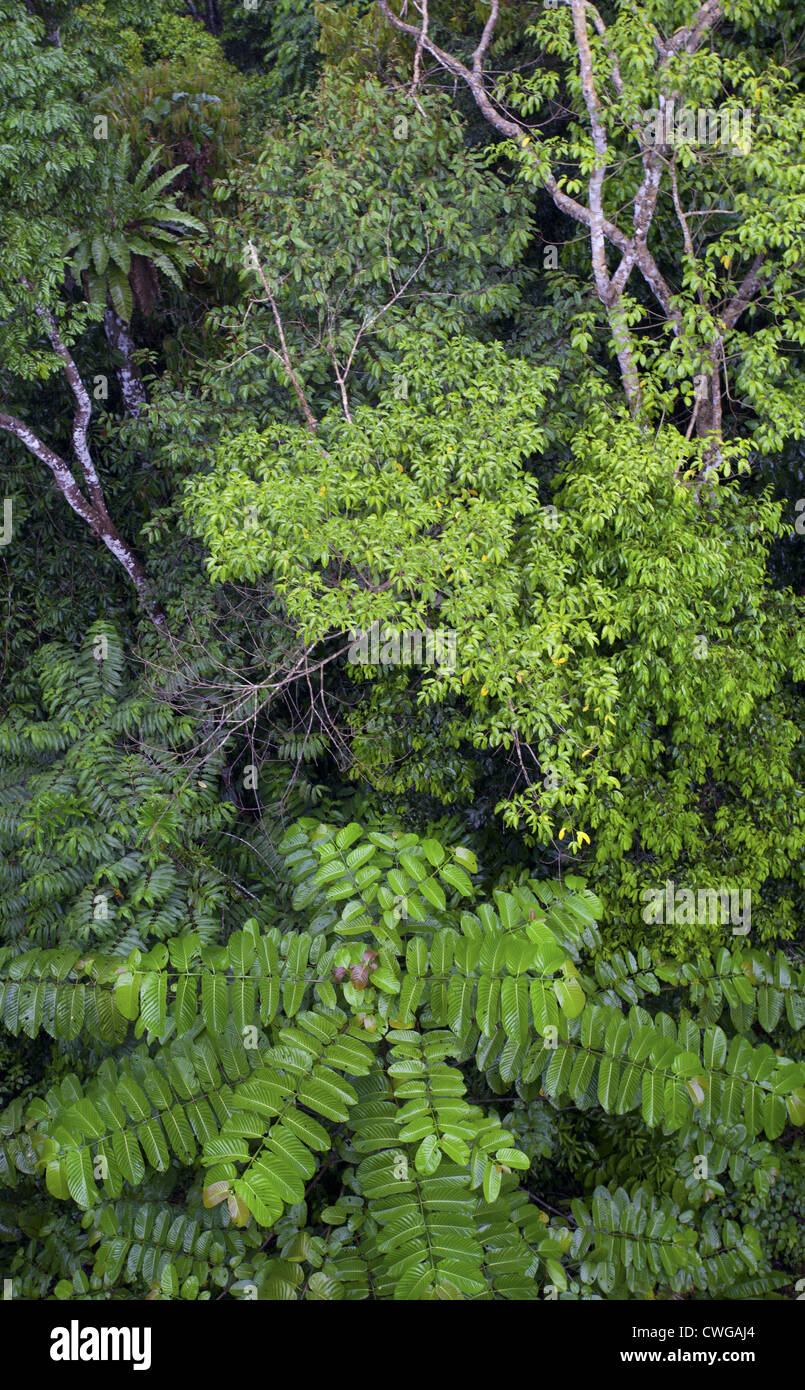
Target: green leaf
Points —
{"points": [[571, 997], [457, 878], [120, 293], [100, 254], [214, 1002], [153, 1001], [433, 893], [80, 1180]]}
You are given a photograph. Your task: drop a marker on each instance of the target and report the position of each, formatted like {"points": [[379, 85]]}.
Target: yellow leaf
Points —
{"points": [[695, 1090], [586, 751], [484, 690], [562, 832], [465, 678], [238, 1211], [214, 1193], [583, 839], [520, 677]]}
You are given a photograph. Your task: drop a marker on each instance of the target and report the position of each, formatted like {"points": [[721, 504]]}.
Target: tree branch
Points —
{"points": [[423, 7], [285, 355], [83, 411], [746, 291], [97, 518]]}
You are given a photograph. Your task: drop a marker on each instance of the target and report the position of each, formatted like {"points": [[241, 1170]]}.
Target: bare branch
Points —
{"points": [[419, 44], [746, 291], [634, 250], [609, 297], [601, 30], [284, 353], [595, 220], [83, 411], [62, 474], [97, 518], [486, 38]]}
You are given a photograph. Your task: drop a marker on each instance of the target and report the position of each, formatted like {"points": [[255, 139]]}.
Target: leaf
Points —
{"points": [[608, 1082], [321, 1286], [224, 1149], [513, 1158], [571, 997], [119, 252], [215, 1193], [775, 1109], [100, 254], [413, 866], [686, 1064], [714, 1049], [214, 1002], [796, 1106], [128, 1156], [153, 1001], [544, 1006], [120, 293], [457, 878], [56, 1180], [428, 1155], [127, 994], [433, 893], [433, 852], [653, 1097], [80, 1180], [514, 1008], [769, 1007], [327, 1099], [492, 1181]]}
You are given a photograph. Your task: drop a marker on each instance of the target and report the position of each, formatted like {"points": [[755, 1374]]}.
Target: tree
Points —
{"points": [[602, 641], [32, 271], [135, 231], [87, 497], [341, 235], [725, 189]]}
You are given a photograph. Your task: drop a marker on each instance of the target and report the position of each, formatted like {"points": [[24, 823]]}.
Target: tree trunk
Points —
{"points": [[118, 336], [213, 20]]}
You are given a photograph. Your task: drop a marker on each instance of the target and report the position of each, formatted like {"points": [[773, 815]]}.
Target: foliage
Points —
{"points": [[138, 228], [602, 641], [356, 239], [401, 657], [83, 749], [259, 1054]]}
